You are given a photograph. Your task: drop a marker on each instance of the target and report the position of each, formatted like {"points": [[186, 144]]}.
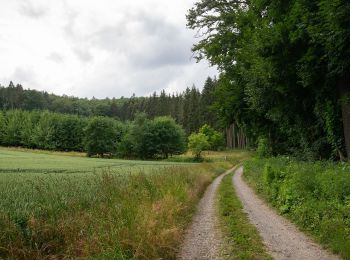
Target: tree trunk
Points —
{"points": [[234, 135], [343, 94], [228, 137]]}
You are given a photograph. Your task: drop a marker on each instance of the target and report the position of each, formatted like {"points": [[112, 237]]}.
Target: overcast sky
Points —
{"points": [[98, 48]]}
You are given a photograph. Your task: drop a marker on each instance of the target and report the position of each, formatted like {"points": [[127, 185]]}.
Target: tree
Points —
{"points": [[101, 136], [167, 136], [2, 128], [215, 138], [149, 139], [285, 67], [197, 143], [14, 125], [206, 103]]}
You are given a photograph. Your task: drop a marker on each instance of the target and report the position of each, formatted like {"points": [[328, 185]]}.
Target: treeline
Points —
{"points": [[142, 138], [285, 71], [191, 109]]}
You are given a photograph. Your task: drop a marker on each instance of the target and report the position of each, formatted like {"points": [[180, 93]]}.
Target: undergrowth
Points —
{"points": [[315, 196]]}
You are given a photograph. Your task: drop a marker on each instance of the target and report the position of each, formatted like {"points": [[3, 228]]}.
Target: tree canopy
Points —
{"points": [[284, 70]]}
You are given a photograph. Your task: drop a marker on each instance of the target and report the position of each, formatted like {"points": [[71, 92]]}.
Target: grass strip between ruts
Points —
{"points": [[242, 238]]}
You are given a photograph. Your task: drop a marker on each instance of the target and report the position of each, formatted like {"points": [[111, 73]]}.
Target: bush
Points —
{"points": [[216, 139], [264, 147], [197, 143]]}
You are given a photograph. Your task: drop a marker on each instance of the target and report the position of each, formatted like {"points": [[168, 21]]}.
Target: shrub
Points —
{"points": [[197, 143], [215, 139], [264, 147]]}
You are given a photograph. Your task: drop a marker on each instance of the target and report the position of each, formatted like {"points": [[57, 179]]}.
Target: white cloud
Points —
{"points": [[98, 48]]}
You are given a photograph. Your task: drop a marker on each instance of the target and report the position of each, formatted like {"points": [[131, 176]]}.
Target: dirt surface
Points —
{"points": [[203, 239], [282, 238]]}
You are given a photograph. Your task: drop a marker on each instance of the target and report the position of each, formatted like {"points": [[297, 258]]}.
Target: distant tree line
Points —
{"points": [[98, 135], [191, 108], [285, 72]]}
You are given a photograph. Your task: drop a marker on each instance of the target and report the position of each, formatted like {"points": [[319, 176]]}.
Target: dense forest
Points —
{"points": [[191, 109], [285, 71], [141, 138]]}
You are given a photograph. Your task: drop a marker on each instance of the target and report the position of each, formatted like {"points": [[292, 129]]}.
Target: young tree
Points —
{"points": [[14, 125], [197, 143], [215, 139]]}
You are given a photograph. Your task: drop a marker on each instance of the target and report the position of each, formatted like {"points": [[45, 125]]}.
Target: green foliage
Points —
{"points": [[148, 139], [42, 129], [168, 137], [285, 70], [264, 147], [191, 108], [14, 127], [143, 138], [216, 139], [313, 195], [101, 136], [197, 143], [2, 127]]}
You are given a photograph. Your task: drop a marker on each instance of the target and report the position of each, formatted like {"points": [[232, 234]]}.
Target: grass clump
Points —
{"points": [[243, 239], [315, 196]]}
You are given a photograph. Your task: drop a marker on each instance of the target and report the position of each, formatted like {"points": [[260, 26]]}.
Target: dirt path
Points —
{"points": [[283, 239], [203, 239]]}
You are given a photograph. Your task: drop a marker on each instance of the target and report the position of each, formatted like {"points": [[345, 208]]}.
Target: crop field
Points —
{"points": [[65, 205], [38, 162]]}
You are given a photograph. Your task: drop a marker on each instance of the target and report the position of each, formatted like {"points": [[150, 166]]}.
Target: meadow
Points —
{"points": [[314, 195], [64, 205]]}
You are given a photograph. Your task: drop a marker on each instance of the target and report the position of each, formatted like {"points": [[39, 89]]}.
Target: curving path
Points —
{"points": [[282, 238]]}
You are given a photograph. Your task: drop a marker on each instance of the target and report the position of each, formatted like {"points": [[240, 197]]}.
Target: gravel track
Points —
{"points": [[282, 238], [203, 239]]}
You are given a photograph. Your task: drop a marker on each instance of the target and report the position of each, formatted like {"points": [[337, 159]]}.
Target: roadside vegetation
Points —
{"points": [[314, 195], [242, 238], [53, 205]]}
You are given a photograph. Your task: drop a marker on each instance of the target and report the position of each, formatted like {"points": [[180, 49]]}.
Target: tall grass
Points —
{"points": [[102, 216], [315, 196]]}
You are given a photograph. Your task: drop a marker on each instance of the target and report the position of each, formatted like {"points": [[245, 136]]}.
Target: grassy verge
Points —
{"points": [[315, 196], [243, 239]]}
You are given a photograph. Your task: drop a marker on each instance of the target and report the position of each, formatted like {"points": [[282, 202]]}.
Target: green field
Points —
{"points": [[39, 162], [64, 205]]}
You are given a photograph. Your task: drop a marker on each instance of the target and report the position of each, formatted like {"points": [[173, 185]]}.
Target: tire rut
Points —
{"points": [[203, 239]]}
